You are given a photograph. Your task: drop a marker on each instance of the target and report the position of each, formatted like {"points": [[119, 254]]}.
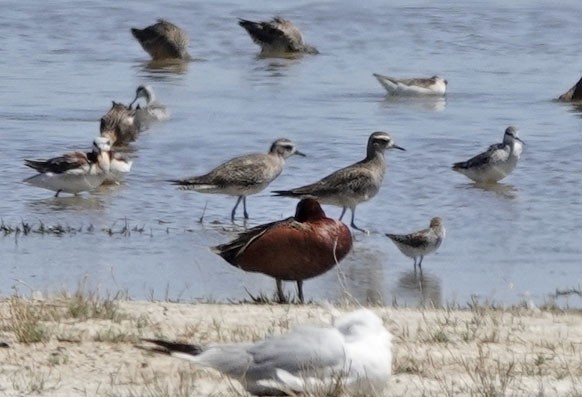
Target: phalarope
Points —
{"points": [[163, 41], [422, 243], [73, 172], [435, 86], [277, 36], [495, 163], [351, 185], [152, 111], [244, 175]]}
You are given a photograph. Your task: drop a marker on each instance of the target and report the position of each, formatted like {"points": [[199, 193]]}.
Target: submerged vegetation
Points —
{"points": [[31, 229]]}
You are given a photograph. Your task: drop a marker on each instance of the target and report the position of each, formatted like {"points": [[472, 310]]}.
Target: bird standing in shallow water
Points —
{"points": [[292, 249], [277, 37], [422, 243], [354, 184], [243, 175], [354, 356], [73, 172], [496, 163], [163, 41]]}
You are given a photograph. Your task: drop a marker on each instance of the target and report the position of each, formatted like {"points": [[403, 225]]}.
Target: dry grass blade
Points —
{"points": [[25, 321]]}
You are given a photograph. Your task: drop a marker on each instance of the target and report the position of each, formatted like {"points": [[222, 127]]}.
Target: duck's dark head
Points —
{"points": [[308, 209]]}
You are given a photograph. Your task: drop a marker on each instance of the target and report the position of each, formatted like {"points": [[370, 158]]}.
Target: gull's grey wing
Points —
{"points": [[316, 351], [304, 349]]}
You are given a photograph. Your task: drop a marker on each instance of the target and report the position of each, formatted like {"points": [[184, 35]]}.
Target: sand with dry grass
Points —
{"points": [[82, 345]]}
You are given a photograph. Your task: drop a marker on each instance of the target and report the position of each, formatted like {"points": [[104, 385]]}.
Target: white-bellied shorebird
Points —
{"points": [[495, 163]]}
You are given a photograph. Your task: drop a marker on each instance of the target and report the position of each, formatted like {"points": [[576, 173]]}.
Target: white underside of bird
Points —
{"points": [[73, 182]]}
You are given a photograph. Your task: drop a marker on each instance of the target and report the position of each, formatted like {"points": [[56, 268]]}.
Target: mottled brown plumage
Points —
{"points": [[573, 94], [277, 36], [163, 40], [118, 124], [243, 175]]}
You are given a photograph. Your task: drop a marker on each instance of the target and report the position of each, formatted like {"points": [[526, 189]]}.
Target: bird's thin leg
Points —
{"points": [[300, 291], [57, 193], [415, 264], [244, 200], [235, 207], [280, 293], [201, 220], [420, 263], [343, 212], [353, 225]]}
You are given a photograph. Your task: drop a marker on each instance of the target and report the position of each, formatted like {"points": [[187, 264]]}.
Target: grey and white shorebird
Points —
{"points": [[163, 40], [574, 94], [277, 37], [73, 172], [354, 355], [244, 175], [419, 244], [354, 184], [496, 162], [432, 86], [152, 111]]}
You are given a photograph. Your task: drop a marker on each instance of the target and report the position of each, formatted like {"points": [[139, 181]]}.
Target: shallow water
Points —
{"points": [[62, 64]]}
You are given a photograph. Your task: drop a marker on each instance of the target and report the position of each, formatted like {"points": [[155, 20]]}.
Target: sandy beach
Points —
{"points": [[82, 345]]}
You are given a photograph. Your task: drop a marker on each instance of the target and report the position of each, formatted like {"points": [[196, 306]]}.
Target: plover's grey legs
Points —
{"points": [[244, 200], [238, 200]]}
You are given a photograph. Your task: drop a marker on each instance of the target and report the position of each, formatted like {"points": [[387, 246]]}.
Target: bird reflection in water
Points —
{"points": [[68, 203], [361, 276], [504, 190], [426, 104], [166, 66], [417, 288]]}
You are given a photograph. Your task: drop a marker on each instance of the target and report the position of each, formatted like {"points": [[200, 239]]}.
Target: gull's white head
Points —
{"points": [[359, 323]]}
